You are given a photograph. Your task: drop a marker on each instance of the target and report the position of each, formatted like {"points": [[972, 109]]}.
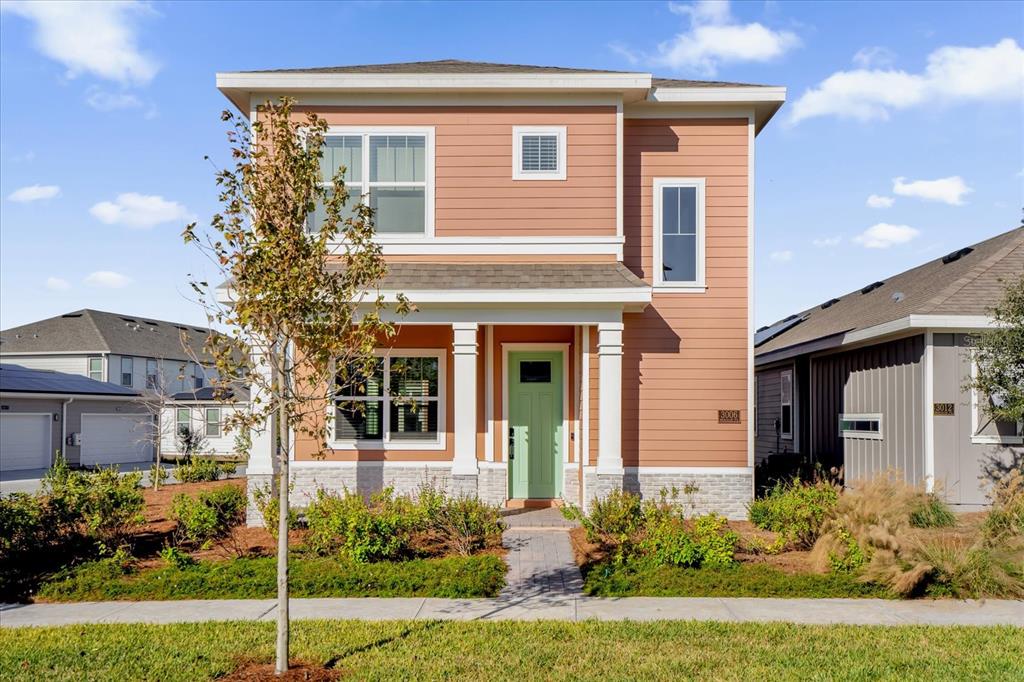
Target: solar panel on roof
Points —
{"points": [[779, 327]]}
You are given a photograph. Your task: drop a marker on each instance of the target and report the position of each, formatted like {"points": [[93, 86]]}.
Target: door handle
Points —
{"points": [[511, 443]]}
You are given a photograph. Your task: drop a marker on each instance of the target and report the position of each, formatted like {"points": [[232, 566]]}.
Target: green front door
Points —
{"points": [[535, 423]]}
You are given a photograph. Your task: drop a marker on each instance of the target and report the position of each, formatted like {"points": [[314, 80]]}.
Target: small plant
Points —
{"points": [[266, 502], [668, 543], [157, 475], [243, 442], [465, 524], [715, 541], [796, 510], [1006, 520], [850, 557], [613, 520], [191, 442], [931, 512], [199, 470], [175, 558], [210, 516]]}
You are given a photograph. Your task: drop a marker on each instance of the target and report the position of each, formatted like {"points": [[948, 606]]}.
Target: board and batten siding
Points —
{"points": [[685, 356], [68, 364], [769, 408], [475, 195], [886, 379]]}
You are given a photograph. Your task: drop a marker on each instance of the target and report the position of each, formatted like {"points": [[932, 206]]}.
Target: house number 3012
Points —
{"points": [[944, 409]]}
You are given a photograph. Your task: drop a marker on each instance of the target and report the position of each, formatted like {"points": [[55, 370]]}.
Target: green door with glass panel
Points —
{"points": [[535, 423]]}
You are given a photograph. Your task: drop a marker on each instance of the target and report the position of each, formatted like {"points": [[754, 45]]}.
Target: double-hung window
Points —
{"points": [[786, 403], [538, 153], [679, 233], [96, 369], [390, 170], [213, 422], [182, 420], [152, 374], [399, 404], [126, 371]]}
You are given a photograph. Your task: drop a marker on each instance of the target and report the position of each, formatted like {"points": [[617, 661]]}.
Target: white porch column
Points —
{"points": [[465, 351], [262, 458], [609, 399]]}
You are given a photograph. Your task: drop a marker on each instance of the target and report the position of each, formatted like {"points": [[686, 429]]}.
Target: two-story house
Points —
{"points": [[579, 246], [156, 358]]}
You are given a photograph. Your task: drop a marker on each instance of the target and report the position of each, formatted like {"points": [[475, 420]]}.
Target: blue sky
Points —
{"points": [[107, 112]]}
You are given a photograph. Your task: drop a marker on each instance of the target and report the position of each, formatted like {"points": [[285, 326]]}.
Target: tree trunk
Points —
{"points": [[282, 529]]}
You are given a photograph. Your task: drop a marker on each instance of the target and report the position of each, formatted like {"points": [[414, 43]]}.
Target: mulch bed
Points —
{"points": [[297, 670]]}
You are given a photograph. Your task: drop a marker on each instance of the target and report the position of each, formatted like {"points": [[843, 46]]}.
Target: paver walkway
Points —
{"points": [[540, 557]]}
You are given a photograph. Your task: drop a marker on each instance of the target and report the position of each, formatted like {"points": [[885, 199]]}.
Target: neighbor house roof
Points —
{"points": [[968, 281], [95, 331], [210, 393], [18, 379]]}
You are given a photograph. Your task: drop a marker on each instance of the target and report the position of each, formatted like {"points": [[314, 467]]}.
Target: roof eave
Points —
{"points": [[764, 100]]}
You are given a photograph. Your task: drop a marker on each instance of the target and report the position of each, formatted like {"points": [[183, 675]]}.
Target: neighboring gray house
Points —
{"points": [[43, 412], [873, 380]]}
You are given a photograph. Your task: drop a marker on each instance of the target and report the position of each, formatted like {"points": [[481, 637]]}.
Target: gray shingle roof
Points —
{"points": [[18, 379], [97, 331], [406, 277], [969, 285], [210, 393], [458, 66]]}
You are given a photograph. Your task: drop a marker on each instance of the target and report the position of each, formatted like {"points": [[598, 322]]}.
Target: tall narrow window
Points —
{"points": [[152, 374], [213, 422], [679, 233], [392, 173], [96, 369], [538, 153], [126, 371], [786, 403], [182, 420], [198, 377]]}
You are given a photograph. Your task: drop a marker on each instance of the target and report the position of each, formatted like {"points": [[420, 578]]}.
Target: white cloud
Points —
{"points": [[101, 100], [868, 57], [827, 242], [34, 193], [953, 74], [878, 201], [884, 235], [108, 279], [625, 52], [781, 256], [140, 210], [57, 284], [99, 38], [715, 38], [949, 190]]}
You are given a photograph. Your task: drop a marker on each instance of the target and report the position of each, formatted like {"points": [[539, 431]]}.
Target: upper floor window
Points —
{"points": [[679, 233], [786, 404], [96, 369], [538, 153], [126, 371], [152, 374], [198, 377], [390, 170]]}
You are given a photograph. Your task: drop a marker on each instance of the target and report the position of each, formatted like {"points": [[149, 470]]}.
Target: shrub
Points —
{"points": [[931, 512], [795, 510], [613, 520], [850, 558], [715, 541], [157, 474], [1006, 519], [463, 524], [378, 531], [268, 505], [108, 505], [200, 469], [175, 558], [35, 537], [668, 543], [210, 516]]}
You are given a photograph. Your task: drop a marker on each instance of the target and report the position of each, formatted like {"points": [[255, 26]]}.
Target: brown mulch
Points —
{"points": [[297, 670]]}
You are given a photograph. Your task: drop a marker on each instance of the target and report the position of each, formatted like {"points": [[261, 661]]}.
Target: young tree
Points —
{"points": [[305, 320], [999, 355]]}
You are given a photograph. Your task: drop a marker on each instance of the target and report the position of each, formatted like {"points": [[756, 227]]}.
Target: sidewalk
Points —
{"points": [[545, 607]]}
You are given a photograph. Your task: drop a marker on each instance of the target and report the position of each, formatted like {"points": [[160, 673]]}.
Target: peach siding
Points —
{"points": [[685, 357], [475, 194]]}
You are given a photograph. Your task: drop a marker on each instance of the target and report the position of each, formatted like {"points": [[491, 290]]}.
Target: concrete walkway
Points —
{"points": [[807, 611]]}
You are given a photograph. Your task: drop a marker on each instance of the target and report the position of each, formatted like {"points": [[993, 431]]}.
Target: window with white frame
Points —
{"points": [[182, 420], [679, 233], [861, 426], [786, 403], [126, 371], [391, 171], [96, 369], [212, 422], [985, 430], [398, 404], [152, 374], [538, 153]]}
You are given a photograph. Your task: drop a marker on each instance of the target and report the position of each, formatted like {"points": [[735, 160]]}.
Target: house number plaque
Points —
{"points": [[728, 416], [944, 409]]}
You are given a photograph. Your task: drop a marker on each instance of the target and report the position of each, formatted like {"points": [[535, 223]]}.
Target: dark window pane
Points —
{"points": [[679, 258], [352, 382], [413, 420], [358, 420], [787, 419], [414, 377], [535, 372]]}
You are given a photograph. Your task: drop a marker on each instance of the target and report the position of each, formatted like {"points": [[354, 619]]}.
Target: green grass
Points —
{"points": [[742, 580], [452, 577], [517, 651]]}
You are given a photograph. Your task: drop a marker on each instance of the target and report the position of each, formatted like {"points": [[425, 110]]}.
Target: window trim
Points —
{"points": [[88, 367], [155, 384], [698, 285], [131, 371], [206, 422], [428, 184], [385, 442], [866, 435], [518, 132], [988, 439], [784, 376]]}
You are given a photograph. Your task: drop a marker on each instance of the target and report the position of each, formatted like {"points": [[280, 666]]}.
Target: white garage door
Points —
{"points": [[24, 441], [114, 439]]}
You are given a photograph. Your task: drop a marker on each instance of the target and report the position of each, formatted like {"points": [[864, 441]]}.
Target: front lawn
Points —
{"points": [[517, 651], [256, 578]]}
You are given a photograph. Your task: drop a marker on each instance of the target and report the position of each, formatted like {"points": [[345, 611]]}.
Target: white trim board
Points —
{"points": [[698, 285], [609, 295], [684, 470], [412, 245]]}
